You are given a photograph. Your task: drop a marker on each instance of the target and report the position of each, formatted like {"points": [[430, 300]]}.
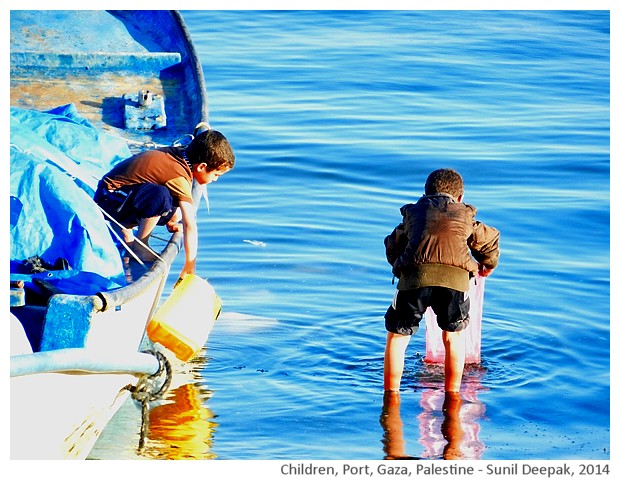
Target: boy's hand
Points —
{"points": [[188, 268], [484, 271], [174, 227]]}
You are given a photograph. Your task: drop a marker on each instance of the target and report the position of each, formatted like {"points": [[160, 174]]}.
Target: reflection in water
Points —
{"points": [[448, 424], [182, 428], [393, 433], [455, 436], [452, 428]]}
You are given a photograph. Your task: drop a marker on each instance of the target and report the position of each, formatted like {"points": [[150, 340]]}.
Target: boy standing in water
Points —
{"points": [[431, 254], [155, 188]]}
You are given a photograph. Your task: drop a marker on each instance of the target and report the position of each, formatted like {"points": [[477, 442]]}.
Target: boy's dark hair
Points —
{"points": [[212, 148], [444, 180]]}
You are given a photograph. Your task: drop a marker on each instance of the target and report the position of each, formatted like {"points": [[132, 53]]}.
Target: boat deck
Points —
{"points": [[55, 30], [53, 63]]}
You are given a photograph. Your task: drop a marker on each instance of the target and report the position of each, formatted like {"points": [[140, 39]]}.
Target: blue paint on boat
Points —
{"points": [[94, 58], [74, 75], [75, 81]]}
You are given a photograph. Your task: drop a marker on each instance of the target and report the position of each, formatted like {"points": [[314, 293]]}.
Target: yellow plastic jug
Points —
{"points": [[183, 323]]}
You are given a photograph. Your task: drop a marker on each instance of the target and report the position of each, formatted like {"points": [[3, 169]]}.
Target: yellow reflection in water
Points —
{"points": [[182, 428]]}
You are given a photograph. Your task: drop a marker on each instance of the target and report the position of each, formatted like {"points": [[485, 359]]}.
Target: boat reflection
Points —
{"points": [[448, 423], [182, 428]]}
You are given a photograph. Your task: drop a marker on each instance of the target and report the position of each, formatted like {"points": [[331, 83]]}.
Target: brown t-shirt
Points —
{"points": [[164, 166]]}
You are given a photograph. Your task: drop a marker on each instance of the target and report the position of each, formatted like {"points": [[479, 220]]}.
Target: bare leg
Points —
{"points": [[145, 228], [454, 343], [124, 232], [394, 361]]}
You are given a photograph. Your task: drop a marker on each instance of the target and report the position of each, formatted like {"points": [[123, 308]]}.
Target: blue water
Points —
{"points": [[336, 119]]}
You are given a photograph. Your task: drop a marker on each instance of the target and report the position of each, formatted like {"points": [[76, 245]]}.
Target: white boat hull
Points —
{"points": [[61, 415]]}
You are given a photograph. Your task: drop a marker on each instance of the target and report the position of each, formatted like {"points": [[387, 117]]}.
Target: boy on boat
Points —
{"points": [[155, 188], [431, 254]]}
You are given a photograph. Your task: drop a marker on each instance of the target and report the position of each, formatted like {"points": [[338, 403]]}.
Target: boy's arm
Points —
{"points": [[484, 246], [190, 237], [395, 243], [407, 250]]}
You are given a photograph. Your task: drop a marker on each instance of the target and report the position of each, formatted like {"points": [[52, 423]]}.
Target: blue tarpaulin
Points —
{"points": [[57, 158]]}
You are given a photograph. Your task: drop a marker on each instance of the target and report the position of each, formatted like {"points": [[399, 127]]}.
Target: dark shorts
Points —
{"points": [[405, 313], [129, 205]]}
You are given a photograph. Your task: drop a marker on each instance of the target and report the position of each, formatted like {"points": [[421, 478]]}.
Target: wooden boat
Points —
{"points": [[73, 354]]}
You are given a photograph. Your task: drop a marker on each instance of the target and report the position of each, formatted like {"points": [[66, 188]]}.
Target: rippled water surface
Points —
{"points": [[336, 119]]}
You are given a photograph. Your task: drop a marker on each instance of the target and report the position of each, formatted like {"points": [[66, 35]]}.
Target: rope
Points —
{"points": [[143, 145], [178, 142], [202, 125], [127, 247], [157, 237], [145, 391]]}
